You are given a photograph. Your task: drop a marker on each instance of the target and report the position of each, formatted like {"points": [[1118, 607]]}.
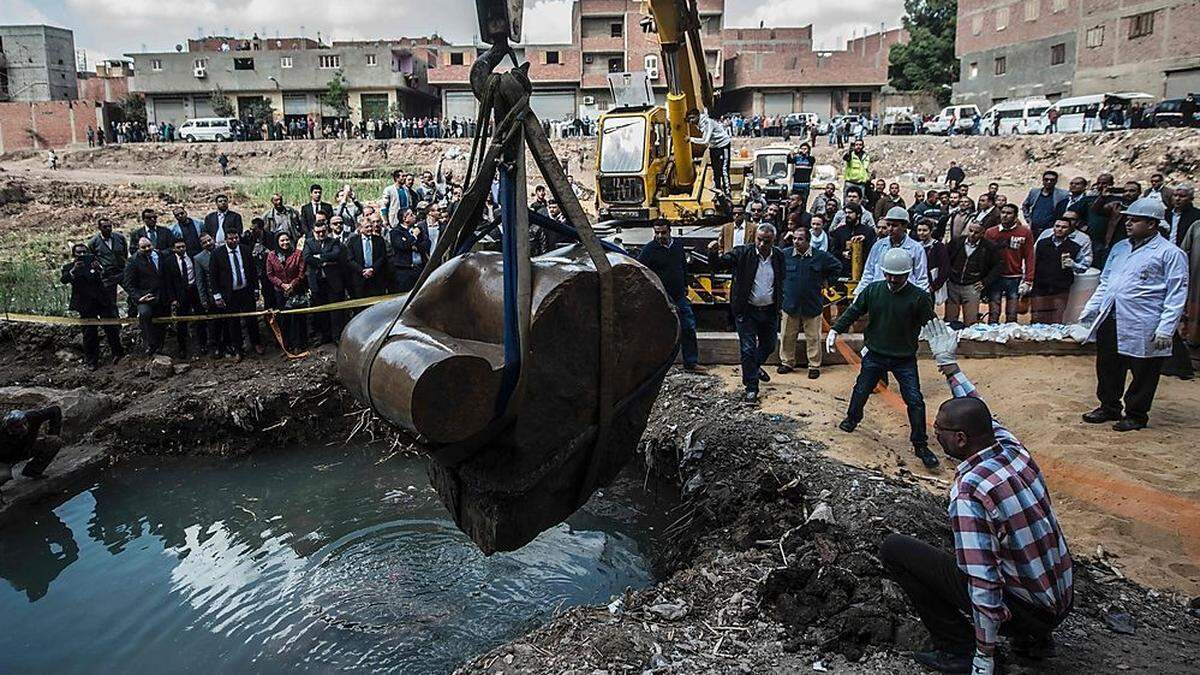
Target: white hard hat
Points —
{"points": [[897, 213], [1146, 207], [897, 261]]}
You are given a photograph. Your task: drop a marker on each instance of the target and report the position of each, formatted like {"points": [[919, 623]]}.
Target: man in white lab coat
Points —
{"points": [[1133, 315]]}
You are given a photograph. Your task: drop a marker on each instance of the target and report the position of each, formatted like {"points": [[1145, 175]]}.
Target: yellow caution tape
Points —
{"points": [[76, 321]]}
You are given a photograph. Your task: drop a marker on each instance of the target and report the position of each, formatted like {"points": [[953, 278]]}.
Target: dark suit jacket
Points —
{"points": [[744, 262], [142, 278], [113, 258], [233, 222], [1190, 215], [162, 234], [87, 288], [355, 264], [177, 285], [324, 262], [308, 216], [220, 272], [403, 245]]}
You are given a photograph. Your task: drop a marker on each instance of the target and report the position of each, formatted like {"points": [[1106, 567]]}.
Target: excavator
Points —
{"points": [[647, 169]]}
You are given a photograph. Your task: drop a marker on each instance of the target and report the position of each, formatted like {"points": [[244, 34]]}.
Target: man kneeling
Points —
{"points": [[19, 441], [1011, 570]]}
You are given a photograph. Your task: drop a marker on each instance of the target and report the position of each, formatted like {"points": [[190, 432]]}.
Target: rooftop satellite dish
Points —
{"points": [[178, 48]]}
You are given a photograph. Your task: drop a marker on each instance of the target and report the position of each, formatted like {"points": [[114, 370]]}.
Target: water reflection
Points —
{"points": [[293, 561]]}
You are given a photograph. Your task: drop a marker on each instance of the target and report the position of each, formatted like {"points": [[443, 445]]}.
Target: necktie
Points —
{"points": [[237, 268], [367, 259]]}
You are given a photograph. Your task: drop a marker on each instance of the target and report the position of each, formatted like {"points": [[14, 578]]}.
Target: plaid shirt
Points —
{"points": [[1006, 537]]}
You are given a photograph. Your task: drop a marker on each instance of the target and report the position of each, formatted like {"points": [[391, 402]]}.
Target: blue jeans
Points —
{"points": [[757, 330], [874, 368], [687, 332], [1005, 288]]}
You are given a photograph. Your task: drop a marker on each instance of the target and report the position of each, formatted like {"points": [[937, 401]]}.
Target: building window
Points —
{"points": [[243, 64], [552, 58], [371, 61], [1058, 54], [616, 30], [1095, 36], [1001, 65], [456, 58], [973, 71], [155, 64], [860, 102], [1002, 18], [616, 64], [330, 61], [1032, 8], [285, 62], [200, 63], [1141, 25], [1059, 6], [977, 24]]}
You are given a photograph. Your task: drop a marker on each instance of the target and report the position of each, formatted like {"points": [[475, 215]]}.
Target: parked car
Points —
{"points": [[1074, 111], [207, 129], [1021, 116], [960, 118], [1167, 113], [796, 123]]}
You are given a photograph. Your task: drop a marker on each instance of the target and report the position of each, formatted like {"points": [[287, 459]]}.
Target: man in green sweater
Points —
{"points": [[896, 312]]}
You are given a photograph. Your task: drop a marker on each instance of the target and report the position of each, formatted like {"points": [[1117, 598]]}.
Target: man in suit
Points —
{"points": [[146, 285], [758, 273], [308, 212], [187, 229], [986, 213], [325, 258], [215, 329], [112, 252], [181, 273], [90, 298], [1040, 204], [366, 260], [159, 236], [217, 223], [407, 256], [234, 284], [1182, 213]]}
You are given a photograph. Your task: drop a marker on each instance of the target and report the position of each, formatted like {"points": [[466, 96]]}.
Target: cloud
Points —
{"points": [[21, 11], [547, 21]]}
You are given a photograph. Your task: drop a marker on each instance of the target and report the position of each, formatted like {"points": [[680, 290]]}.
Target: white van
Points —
{"points": [[961, 118], [206, 129], [1022, 116], [1079, 113]]}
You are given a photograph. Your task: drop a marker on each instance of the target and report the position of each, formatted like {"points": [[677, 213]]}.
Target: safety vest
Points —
{"points": [[858, 169]]}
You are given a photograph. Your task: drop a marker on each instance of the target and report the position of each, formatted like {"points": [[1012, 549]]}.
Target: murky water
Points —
{"points": [[315, 560]]}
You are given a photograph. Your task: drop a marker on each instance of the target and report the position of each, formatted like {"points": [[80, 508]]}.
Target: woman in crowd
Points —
{"points": [[285, 271]]}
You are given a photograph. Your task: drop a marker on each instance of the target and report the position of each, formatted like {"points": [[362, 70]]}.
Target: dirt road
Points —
{"points": [[1136, 494]]}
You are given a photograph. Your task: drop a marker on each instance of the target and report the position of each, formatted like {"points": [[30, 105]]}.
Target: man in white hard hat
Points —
{"points": [[897, 310], [1133, 315], [897, 238]]}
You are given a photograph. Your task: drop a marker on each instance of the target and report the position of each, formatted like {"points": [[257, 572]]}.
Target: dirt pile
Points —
{"points": [[773, 568]]}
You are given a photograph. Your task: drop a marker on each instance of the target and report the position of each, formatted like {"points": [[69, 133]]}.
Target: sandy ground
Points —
{"points": [[1135, 494]]}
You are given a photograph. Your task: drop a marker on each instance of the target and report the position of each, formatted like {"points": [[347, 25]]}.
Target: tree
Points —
{"points": [[336, 95], [927, 62], [133, 109], [221, 105], [258, 112]]}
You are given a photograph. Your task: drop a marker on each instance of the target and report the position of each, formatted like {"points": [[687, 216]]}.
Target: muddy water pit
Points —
{"points": [[316, 559]]}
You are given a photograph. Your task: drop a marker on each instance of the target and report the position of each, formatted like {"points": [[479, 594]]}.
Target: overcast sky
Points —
{"points": [[110, 28]]}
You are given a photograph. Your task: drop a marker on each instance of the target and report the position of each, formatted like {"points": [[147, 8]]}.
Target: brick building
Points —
{"points": [[773, 70], [37, 63], [109, 83], [291, 73], [1017, 48]]}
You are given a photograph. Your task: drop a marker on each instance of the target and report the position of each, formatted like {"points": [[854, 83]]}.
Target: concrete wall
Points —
{"points": [[1125, 63], [45, 124], [40, 63], [1027, 72]]}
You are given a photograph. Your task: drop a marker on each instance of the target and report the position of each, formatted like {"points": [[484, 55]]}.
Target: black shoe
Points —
{"points": [[783, 369], [118, 356], [763, 376], [1128, 424], [945, 662], [927, 458], [814, 373], [1034, 648], [1100, 416], [847, 426], [91, 365], [695, 368], [750, 397]]}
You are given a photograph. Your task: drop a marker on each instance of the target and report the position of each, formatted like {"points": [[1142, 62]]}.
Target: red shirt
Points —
{"points": [[1015, 246]]}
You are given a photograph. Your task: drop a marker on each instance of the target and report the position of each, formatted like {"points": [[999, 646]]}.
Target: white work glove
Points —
{"points": [[1024, 288], [1162, 341], [943, 341], [829, 340], [983, 665], [1078, 332]]}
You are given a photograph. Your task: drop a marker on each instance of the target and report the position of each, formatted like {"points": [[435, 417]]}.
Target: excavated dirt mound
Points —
{"points": [[772, 568]]}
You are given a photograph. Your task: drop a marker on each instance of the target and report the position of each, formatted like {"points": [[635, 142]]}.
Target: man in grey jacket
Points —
{"points": [[203, 262], [1041, 204]]}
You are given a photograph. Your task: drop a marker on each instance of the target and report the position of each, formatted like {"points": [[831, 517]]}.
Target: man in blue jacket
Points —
{"points": [[806, 272]]}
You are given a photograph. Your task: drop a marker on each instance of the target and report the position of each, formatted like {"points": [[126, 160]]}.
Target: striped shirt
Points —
{"points": [[1006, 536]]}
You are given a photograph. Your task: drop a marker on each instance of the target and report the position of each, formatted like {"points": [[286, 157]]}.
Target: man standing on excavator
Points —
{"points": [[714, 135]]}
